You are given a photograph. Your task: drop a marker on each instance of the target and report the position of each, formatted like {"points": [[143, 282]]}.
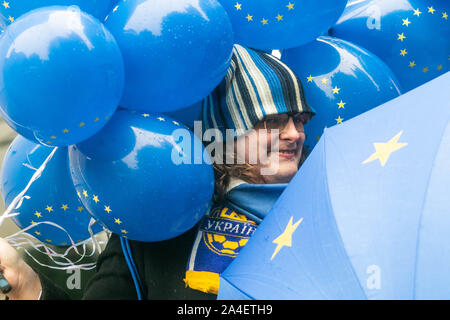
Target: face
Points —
{"points": [[275, 153]]}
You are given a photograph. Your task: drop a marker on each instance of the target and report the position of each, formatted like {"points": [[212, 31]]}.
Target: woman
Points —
{"points": [[262, 101]]}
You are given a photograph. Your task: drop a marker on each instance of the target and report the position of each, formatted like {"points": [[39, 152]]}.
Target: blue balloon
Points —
{"points": [[366, 216], [13, 9], [175, 52], [189, 115], [140, 178], [61, 75], [340, 81], [410, 36], [51, 198], [275, 24]]}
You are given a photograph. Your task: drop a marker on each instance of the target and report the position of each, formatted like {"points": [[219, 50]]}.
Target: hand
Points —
{"points": [[25, 283]]}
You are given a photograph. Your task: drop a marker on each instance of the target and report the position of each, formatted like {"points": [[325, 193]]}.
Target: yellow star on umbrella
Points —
{"points": [[417, 12], [339, 120], [5, 4], [384, 150], [406, 22], [285, 239]]}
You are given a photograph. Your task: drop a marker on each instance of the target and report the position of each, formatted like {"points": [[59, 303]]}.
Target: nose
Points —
{"points": [[291, 133]]}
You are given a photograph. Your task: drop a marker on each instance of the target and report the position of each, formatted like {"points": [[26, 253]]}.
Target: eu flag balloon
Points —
{"points": [[61, 74], [340, 81], [275, 24], [50, 207], [189, 115], [366, 217], [13, 9], [411, 36], [175, 52], [143, 176]]}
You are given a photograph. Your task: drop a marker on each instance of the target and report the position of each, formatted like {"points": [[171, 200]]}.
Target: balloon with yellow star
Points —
{"points": [[13, 9], [410, 36], [280, 24], [366, 216], [341, 80], [145, 177], [61, 74], [50, 209]]}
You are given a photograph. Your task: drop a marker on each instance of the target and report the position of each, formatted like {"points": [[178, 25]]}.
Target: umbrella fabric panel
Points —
{"points": [[379, 202], [433, 255], [313, 265]]}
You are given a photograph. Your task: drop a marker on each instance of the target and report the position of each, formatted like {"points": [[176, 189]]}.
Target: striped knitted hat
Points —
{"points": [[256, 85]]}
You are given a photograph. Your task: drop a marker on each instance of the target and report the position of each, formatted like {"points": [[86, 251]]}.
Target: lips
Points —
{"points": [[287, 153]]}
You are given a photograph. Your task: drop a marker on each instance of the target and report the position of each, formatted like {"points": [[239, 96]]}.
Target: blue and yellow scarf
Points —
{"points": [[225, 230]]}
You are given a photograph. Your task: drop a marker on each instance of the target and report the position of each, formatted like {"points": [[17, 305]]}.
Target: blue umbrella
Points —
{"points": [[366, 217]]}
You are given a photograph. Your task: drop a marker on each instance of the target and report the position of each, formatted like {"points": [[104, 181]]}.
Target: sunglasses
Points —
{"points": [[280, 121]]}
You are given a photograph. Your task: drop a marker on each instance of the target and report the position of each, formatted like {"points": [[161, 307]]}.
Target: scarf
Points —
{"points": [[225, 230]]}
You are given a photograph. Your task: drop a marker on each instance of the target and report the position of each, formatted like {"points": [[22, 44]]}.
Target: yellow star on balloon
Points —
{"points": [[285, 239], [5, 4], [341, 105], [384, 150], [336, 90], [406, 22]]}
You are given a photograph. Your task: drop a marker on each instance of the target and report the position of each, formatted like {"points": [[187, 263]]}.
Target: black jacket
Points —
{"points": [[161, 267]]}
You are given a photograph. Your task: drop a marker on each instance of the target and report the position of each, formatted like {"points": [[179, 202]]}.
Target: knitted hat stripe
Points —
{"points": [[239, 115], [293, 97], [272, 76], [262, 89], [249, 94], [211, 113]]}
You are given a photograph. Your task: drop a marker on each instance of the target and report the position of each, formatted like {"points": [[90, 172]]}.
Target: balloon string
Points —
{"points": [[17, 202], [18, 240]]}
